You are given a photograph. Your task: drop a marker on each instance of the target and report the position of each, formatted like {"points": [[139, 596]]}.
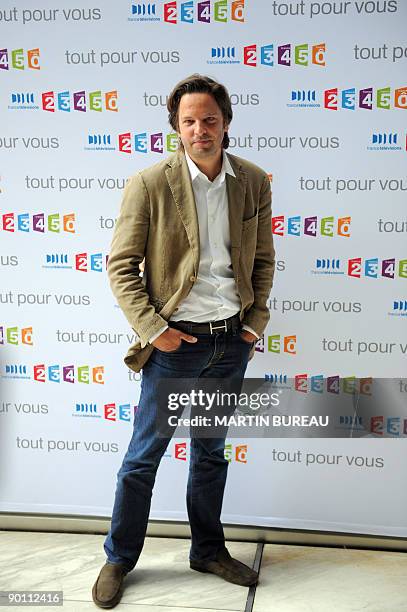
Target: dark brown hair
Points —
{"points": [[198, 83]]}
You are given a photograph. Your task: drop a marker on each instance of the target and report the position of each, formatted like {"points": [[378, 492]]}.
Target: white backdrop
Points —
{"points": [[82, 92]]}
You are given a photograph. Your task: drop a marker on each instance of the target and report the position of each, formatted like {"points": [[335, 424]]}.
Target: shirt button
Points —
{"points": [[192, 279]]}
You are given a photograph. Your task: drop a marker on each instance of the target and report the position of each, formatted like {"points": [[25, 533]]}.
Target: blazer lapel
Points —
{"points": [[179, 180], [236, 190]]}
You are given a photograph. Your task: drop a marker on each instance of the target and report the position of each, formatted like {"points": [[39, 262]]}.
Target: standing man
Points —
{"points": [[202, 221]]}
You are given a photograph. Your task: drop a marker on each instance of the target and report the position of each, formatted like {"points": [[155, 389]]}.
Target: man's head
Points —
{"points": [[200, 112]]}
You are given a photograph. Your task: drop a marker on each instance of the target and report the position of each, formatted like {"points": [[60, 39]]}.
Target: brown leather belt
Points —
{"points": [[213, 327]]}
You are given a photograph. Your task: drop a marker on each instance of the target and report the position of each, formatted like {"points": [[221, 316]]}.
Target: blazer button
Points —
{"points": [[192, 279]]}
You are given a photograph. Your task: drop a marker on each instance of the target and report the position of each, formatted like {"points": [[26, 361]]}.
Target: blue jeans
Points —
{"points": [[220, 356]]}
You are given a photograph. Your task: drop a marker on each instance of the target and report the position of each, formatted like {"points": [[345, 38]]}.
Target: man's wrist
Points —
{"points": [[249, 329], [155, 336]]}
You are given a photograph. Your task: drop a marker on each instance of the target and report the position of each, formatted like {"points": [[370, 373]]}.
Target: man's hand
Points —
{"points": [[248, 336], [171, 339]]}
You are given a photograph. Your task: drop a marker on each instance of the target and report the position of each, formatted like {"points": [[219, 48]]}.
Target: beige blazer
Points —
{"points": [[158, 221]]}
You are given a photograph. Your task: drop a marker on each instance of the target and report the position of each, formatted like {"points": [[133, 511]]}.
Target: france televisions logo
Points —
{"points": [[100, 142], [23, 101], [318, 383], [144, 11], [129, 142], [349, 422], [81, 262], [20, 59], [327, 266], [57, 260], [69, 374], [86, 410], [17, 371], [111, 412], [352, 99], [358, 267], [189, 12], [303, 98], [276, 378], [65, 101], [387, 141], [16, 335], [278, 381], [270, 55], [310, 226], [223, 55], [399, 309], [41, 223]]}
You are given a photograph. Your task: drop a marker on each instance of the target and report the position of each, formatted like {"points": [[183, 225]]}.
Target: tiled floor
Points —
{"points": [[292, 578]]}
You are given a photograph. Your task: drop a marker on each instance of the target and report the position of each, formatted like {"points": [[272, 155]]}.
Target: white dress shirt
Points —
{"points": [[214, 295]]}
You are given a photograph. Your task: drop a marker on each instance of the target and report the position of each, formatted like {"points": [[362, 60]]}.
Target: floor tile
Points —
{"points": [[311, 579]]}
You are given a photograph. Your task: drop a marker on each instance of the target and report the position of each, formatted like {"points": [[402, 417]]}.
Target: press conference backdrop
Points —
{"points": [[319, 96]]}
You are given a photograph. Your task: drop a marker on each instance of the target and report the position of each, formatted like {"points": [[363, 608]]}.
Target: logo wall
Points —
{"points": [[323, 115]]}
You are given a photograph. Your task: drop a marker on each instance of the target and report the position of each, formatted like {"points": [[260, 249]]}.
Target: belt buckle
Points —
{"points": [[223, 327]]}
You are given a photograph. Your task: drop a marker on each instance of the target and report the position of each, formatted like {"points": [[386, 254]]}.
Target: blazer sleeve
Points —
{"points": [[126, 253], [258, 314]]}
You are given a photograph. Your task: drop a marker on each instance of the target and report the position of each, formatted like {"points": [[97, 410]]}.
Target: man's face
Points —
{"points": [[201, 126]]}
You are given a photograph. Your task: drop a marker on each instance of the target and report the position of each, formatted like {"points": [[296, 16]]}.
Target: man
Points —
{"points": [[202, 221]]}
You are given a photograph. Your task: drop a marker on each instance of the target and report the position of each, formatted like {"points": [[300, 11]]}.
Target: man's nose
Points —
{"points": [[199, 128]]}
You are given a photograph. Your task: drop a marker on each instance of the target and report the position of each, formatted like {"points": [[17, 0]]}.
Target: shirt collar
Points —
{"points": [[195, 171]]}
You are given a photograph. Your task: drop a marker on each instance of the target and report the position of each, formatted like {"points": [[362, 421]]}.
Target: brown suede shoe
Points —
{"points": [[107, 590], [227, 568]]}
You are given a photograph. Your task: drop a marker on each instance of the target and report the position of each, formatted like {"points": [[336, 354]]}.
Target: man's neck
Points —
{"points": [[210, 168]]}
